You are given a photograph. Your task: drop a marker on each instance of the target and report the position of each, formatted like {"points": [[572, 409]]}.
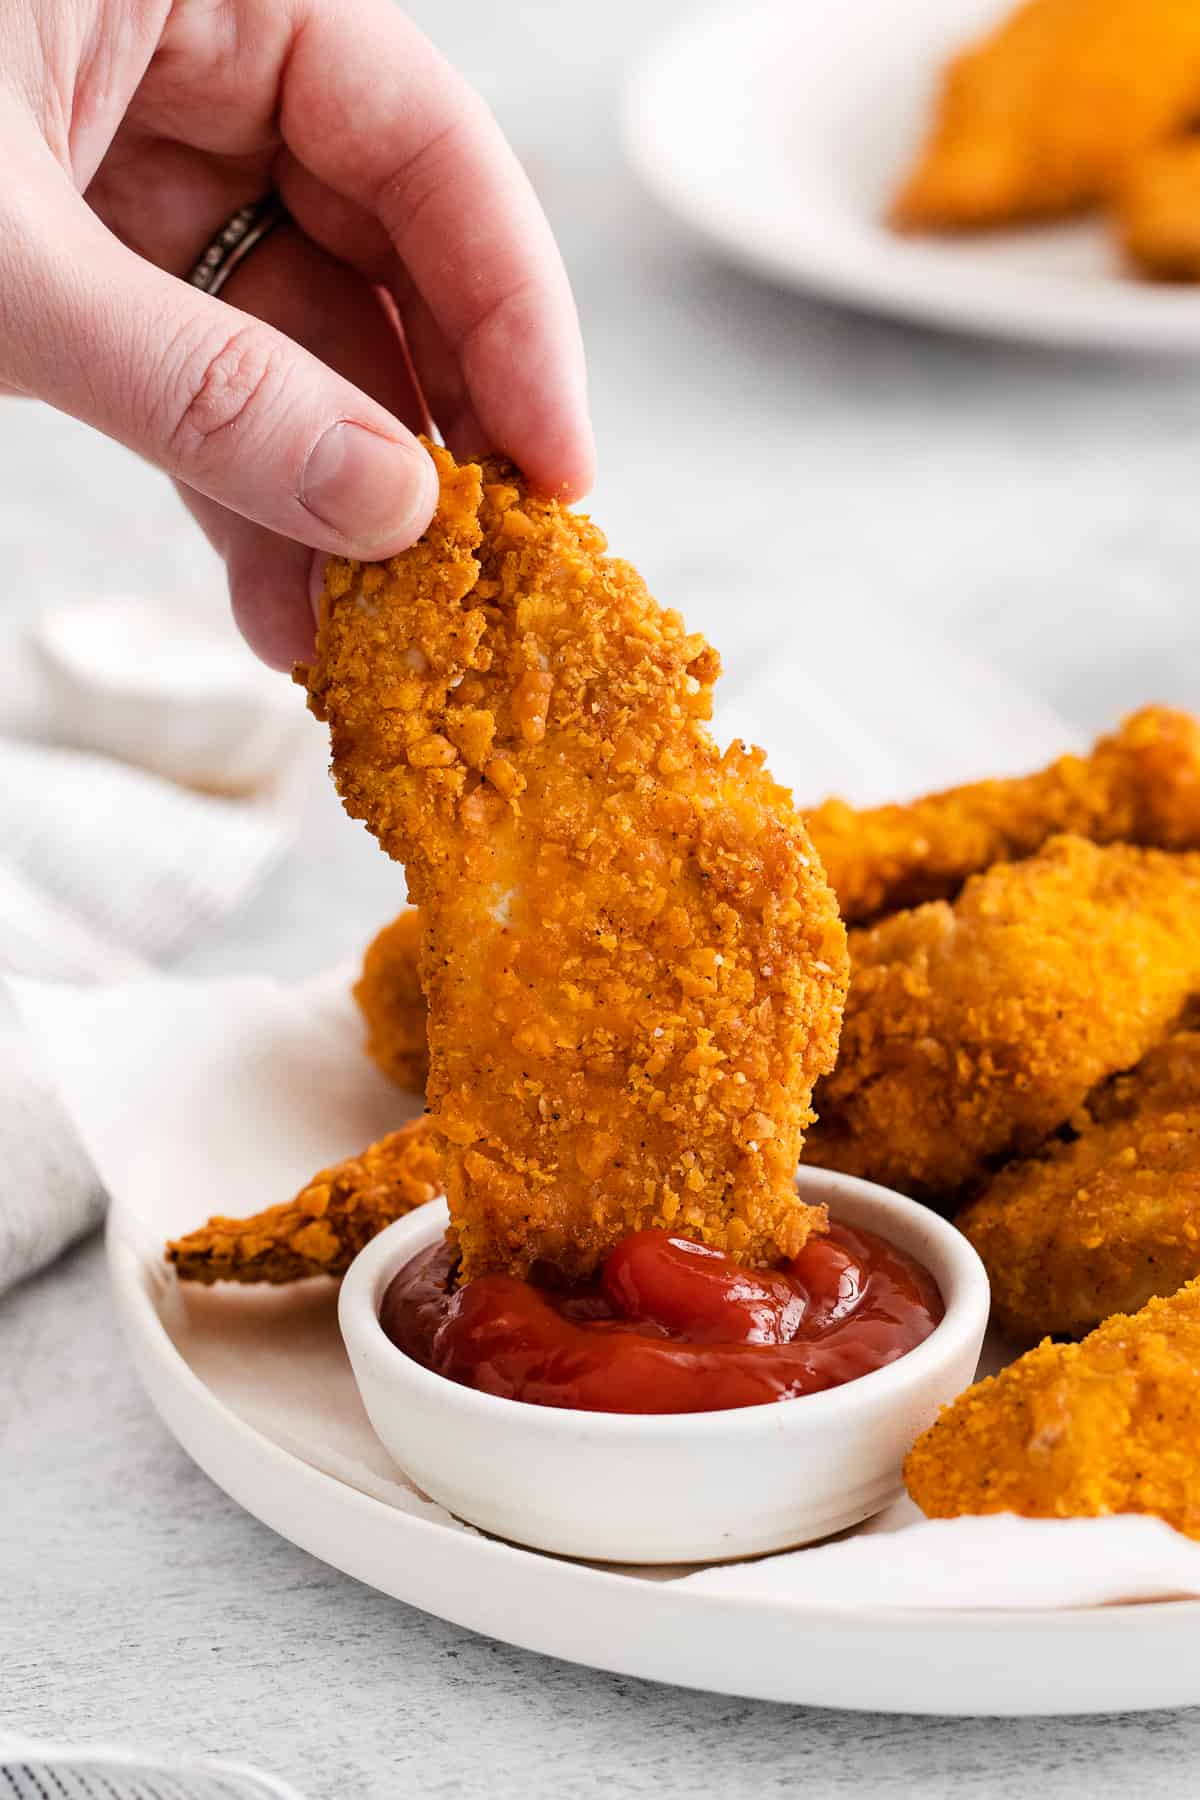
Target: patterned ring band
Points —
{"points": [[234, 242]]}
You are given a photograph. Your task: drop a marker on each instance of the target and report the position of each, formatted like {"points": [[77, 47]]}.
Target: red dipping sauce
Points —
{"points": [[668, 1325]]}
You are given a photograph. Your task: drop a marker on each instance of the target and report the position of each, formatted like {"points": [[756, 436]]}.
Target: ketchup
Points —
{"points": [[668, 1325]]}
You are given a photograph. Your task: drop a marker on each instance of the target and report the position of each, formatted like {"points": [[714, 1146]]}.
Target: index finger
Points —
{"points": [[376, 113]]}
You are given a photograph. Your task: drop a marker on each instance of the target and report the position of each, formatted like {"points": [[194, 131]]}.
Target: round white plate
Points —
{"points": [[778, 130], [643, 1622]]}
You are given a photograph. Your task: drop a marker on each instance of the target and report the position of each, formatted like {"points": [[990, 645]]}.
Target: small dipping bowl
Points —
{"points": [[671, 1487], [167, 689]]}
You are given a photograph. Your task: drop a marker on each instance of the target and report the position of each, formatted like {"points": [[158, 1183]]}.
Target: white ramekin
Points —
{"points": [[167, 689], [691, 1487]]}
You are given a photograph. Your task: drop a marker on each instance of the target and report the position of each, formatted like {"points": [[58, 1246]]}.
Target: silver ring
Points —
{"points": [[234, 242]]}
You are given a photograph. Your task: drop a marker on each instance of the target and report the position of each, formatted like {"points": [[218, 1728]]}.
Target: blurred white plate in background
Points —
{"points": [[778, 131]]}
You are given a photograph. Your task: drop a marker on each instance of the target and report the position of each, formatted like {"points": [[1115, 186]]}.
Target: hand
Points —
{"points": [[130, 130]]}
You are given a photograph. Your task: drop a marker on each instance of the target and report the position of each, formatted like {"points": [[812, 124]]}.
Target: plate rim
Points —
{"points": [[190, 1411]]}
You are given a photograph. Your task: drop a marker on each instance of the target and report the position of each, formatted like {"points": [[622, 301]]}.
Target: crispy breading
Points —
{"points": [[323, 1229], [1157, 211], [1141, 785], [1043, 116], [392, 1002], [973, 1031], [1077, 1430], [634, 965], [1102, 1223]]}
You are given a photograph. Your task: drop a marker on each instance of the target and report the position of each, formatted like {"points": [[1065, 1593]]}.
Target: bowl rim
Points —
{"points": [[967, 1305]]}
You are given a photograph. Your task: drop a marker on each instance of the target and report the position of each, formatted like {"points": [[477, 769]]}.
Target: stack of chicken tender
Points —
{"points": [[1018, 1052]]}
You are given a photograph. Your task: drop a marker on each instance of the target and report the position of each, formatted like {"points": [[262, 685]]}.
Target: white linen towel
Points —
{"points": [[121, 842]]}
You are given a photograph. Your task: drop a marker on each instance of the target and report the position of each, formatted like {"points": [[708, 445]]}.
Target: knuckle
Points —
{"points": [[507, 321], [219, 392], [409, 192]]}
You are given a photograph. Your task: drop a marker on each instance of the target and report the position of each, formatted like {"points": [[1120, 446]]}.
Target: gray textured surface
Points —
{"points": [[140, 1603], [758, 451]]}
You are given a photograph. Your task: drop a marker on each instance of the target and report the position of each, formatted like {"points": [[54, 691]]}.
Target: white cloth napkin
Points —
{"points": [[158, 777]]}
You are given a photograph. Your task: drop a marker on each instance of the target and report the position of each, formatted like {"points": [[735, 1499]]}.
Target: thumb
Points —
{"points": [[218, 399]]}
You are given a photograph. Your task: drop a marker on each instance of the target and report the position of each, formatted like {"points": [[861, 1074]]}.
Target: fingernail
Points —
{"points": [[377, 493]]}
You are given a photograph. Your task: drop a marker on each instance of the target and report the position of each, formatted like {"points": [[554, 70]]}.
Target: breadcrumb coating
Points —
{"points": [[1141, 785], [1100, 1224], [1043, 116], [1077, 1430], [392, 1002], [1157, 211], [323, 1229], [634, 966], [973, 1031]]}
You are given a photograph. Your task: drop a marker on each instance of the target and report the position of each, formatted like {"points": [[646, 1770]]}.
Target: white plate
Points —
{"points": [[778, 130], [635, 1622]]}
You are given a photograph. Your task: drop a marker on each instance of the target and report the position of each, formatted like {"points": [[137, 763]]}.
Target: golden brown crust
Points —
{"points": [[1139, 786], [1042, 116], [323, 1229], [1157, 211], [1077, 1430], [1103, 1223], [973, 1031], [392, 1002], [634, 966]]}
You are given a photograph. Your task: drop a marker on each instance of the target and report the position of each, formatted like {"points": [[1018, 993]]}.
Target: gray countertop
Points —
{"points": [[758, 451]]}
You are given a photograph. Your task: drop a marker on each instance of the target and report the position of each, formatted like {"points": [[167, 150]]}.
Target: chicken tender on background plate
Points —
{"points": [[1139, 786], [392, 1002], [323, 1229], [973, 1031], [1101, 1224], [1157, 211], [1111, 1425], [634, 966], [1043, 117]]}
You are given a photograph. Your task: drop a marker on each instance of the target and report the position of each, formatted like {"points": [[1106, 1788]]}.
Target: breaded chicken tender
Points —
{"points": [[323, 1229], [1100, 1224], [1077, 1430], [1139, 786], [1157, 211], [973, 1031], [634, 966], [1044, 116], [392, 1002]]}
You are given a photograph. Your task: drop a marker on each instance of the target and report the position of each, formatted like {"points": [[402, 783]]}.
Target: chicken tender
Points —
{"points": [[1077, 1430], [1157, 212], [1139, 786], [973, 1031], [323, 1229], [1043, 117], [1100, 1224], [392, 1002], [634, 966]]}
